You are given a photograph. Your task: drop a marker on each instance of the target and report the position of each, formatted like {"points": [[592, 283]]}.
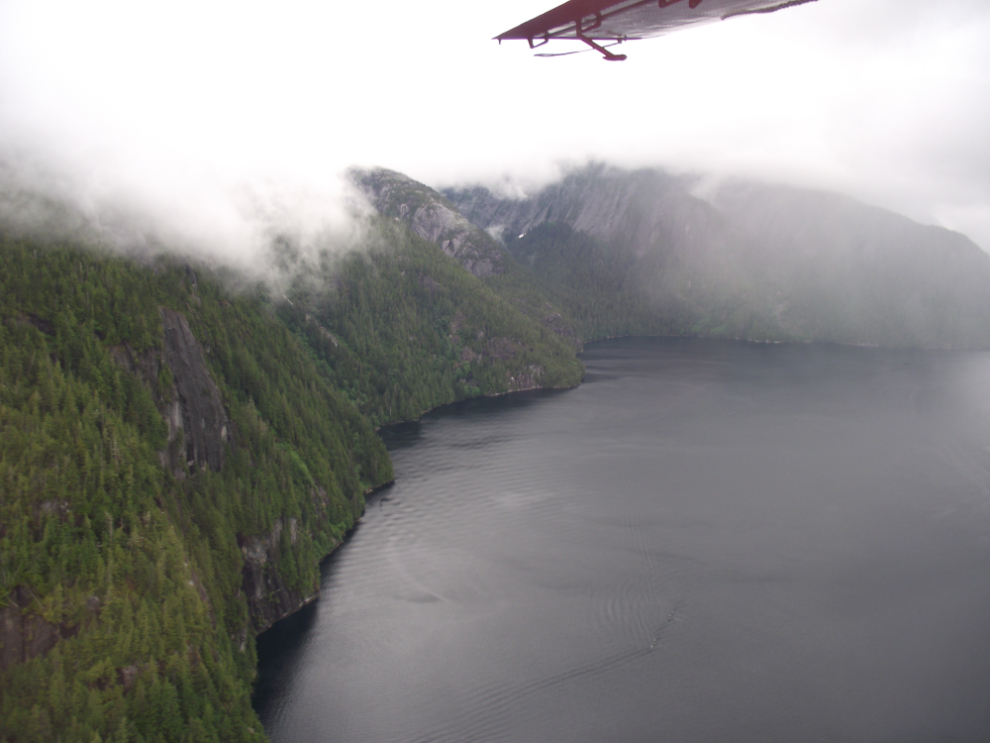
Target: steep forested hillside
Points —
{"points": [[403, 328], [136, 557], [433, 218], [177, 458], [643, 252]]}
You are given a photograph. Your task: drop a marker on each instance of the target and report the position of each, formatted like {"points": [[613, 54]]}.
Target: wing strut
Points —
{"points": [[579, 32]]}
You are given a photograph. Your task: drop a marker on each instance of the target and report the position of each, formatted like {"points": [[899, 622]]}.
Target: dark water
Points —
{"points": [[704, 542]]}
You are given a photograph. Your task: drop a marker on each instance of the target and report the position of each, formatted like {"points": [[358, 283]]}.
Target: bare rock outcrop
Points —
{"points": [[432, 217], [528, 379], [643, 211], [269, 599], [198, 408], [191, 406], [25, 635]]}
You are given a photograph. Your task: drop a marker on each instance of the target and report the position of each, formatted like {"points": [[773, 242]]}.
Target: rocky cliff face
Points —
{"points": [[197, 408], [192, 407], [267, 595], [195, 415], [194, 410], [642, 211], [431, 217], [25, 635]]}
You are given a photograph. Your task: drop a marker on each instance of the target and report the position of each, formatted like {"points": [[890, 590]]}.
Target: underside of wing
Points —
{"points": [[616, 21]]}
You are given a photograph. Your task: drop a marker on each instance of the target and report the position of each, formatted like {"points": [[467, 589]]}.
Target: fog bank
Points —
{"points": [[208, 123]]}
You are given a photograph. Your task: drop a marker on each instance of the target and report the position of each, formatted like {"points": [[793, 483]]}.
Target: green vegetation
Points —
{"points": [[176, 458], [402, 328], [134, 571], [124, 614]]}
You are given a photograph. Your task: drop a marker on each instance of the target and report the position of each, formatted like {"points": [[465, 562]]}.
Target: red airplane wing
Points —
{"points": [[616, 21]]}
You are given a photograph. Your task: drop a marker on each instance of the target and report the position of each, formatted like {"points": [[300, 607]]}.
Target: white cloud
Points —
{"points": [[178, 109]]}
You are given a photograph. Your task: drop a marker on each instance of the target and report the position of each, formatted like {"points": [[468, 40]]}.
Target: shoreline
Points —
{"points": [[383, 486], [369, 492], [492, 395]]}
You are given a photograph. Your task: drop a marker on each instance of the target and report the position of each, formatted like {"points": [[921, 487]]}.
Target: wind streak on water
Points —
{"points": [[706, 541]]}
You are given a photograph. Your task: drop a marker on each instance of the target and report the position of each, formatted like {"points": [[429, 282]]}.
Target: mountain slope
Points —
{"points": [[177, 458], [630, 252], [173, 467], [428, 214], [403, 328]]}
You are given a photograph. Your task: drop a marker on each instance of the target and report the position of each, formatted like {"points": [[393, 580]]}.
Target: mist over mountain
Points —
{"points": [[432, 217], [182, 443], [739, 259], [184, 440], [205, 318]]}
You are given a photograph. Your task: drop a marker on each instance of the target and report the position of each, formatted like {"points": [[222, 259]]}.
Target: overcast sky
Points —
{"points": [[199, 114]]}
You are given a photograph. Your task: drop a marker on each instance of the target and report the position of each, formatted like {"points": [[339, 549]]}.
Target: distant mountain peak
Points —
{"points": [[748, 260]]}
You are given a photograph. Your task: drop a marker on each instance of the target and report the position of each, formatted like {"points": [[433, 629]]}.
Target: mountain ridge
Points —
{"points": [[177, 455], [750, 261]]}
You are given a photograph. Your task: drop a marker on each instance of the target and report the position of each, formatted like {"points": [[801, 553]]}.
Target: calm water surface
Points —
{"points": [[704, 542]]}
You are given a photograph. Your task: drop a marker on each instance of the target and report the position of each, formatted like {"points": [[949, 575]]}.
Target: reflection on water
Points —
{"points": [[706, 541]]}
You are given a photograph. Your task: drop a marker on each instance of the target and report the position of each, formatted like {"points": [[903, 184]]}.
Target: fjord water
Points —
{"points": [[705, 541]]}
